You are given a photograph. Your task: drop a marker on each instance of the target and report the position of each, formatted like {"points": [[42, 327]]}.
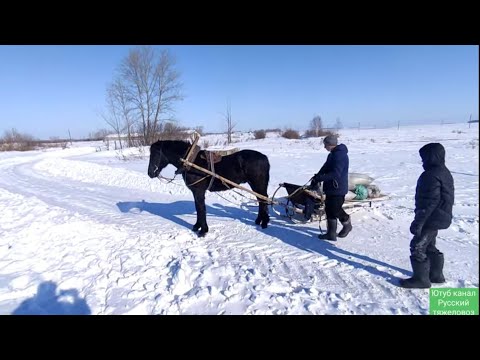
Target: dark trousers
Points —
{"points": [[333, 208], [424, 245]]}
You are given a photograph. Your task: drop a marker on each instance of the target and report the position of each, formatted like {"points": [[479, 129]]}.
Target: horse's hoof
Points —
{"points": [[195, 228], [202, 234], [265, 223], [258, 221]]}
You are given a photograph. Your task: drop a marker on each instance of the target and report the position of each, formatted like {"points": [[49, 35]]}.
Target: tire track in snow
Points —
{"points": [[138, 262]]}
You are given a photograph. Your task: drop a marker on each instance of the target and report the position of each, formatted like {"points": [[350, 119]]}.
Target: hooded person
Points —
{"points": [[434, 197]]}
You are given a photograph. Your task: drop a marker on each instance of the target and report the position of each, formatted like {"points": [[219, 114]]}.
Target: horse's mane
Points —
{"points": [[174, 145]]}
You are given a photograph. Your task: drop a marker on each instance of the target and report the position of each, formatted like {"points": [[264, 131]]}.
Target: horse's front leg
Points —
{"points": [[201, 223]]}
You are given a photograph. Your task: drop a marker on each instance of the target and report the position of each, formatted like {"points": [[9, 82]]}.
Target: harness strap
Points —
{"points": [[196, 182], [212, 169]]}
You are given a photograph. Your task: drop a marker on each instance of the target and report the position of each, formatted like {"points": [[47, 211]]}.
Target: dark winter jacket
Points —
{"points": [[435, 191], [334, 173]]}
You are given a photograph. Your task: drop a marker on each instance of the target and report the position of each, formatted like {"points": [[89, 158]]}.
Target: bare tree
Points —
{"points": [[145, 90], [316, 125], [338, 124], [14, 140], [98, 134], [230, 124], [114, 117], [121, 107]]}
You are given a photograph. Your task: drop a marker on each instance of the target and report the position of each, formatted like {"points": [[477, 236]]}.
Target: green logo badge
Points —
{"points": [[451, 301]]}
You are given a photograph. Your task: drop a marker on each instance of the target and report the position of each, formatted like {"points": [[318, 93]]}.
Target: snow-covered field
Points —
{"points": [[88, 232]]}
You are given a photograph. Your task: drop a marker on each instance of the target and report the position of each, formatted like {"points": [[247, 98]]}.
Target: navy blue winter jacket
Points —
{"points": [[434, 194], [334, 173]]}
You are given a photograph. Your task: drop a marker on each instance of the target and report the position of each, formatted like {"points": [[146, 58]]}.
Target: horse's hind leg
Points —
{"points": [[263, 218], [201, 223]]}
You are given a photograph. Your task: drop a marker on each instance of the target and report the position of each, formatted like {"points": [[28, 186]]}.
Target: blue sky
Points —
{"points": [[47, 90]]}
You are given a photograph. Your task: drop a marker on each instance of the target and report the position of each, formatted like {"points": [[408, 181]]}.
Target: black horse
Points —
{"points": [[245, 166]]}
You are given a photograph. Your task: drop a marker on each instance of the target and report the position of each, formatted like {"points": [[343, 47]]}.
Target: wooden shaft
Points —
{"points": [[226, 180], [192, 147]]}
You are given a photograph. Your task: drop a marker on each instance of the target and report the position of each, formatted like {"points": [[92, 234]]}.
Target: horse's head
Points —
{"points": [[158, 159]]}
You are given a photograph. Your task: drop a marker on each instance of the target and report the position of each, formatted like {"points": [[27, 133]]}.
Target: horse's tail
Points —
{"points": [[267, 169], [263, 168]]}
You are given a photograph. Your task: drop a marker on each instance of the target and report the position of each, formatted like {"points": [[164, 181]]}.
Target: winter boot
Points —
{"points": [[347, 227], [420, 278], [331, 231], [436, 268]]}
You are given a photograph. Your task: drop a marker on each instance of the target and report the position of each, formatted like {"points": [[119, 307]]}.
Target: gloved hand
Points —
{"points": [[315, 182], [415, 228], [317, 178]]}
